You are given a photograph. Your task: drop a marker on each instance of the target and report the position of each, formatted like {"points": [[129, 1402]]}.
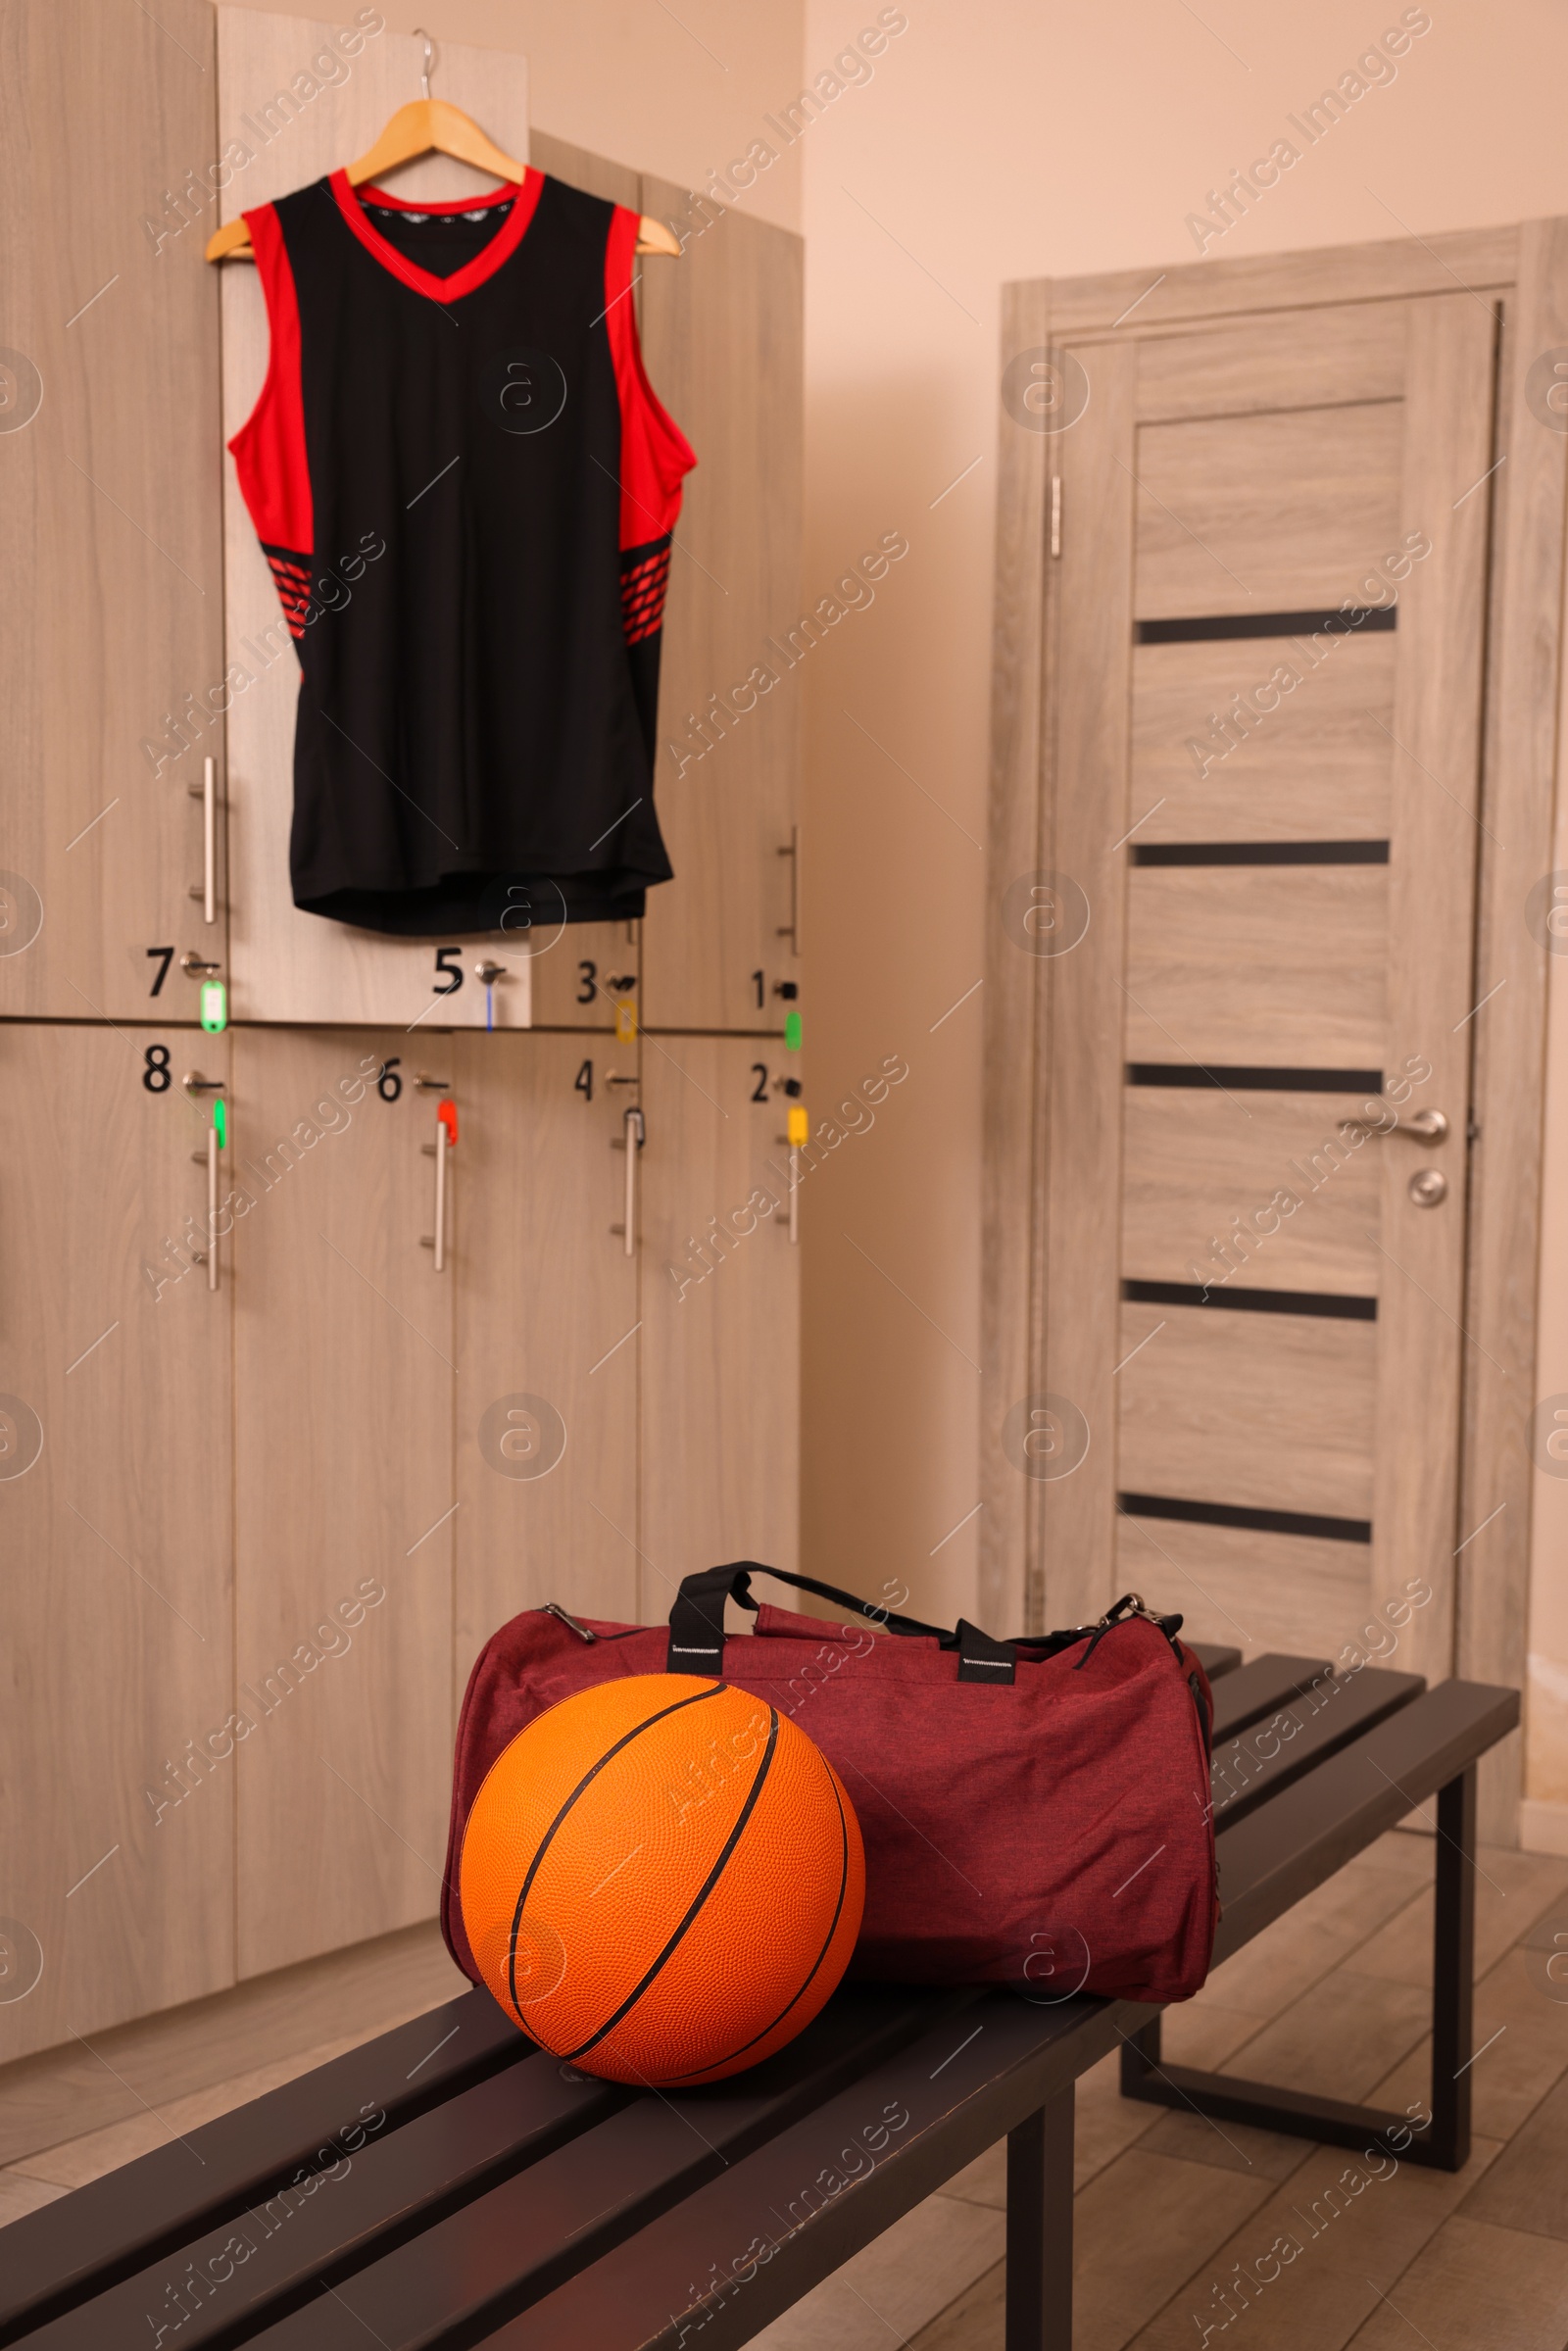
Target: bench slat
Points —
{"points": [[1289, 1844], [1299, 1734], [1252, 1691], [101, 2232], [276, 2248], [959, 2099], [478, 2265]]}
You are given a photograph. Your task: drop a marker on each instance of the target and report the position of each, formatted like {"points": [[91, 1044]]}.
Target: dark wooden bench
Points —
{"points": [[450, 2184]]}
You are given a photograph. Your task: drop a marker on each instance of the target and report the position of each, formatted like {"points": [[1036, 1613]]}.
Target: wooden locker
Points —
{"points": [[117, 1769], [547, 1333], [109, 509], [722, 338], [345, 1363], [720, 1313]]}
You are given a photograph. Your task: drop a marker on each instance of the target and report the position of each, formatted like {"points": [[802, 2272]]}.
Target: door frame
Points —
{"points": [[1525, 269]]}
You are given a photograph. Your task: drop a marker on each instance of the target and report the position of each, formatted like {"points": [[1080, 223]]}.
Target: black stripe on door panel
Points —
{"points": [[1237, 1080], [1260, 853], [1365, 618], [1260, 1522], [1254, 1302]]}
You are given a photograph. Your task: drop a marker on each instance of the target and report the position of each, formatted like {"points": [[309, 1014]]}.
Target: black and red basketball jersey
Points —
{"points": [[465, 489]]}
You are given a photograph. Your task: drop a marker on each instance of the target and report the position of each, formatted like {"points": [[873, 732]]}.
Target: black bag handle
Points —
{"points": [[697, 1623], [697, 1619]]}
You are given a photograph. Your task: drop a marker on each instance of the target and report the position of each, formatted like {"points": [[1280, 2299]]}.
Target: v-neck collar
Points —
{"points": [[524, 200]]}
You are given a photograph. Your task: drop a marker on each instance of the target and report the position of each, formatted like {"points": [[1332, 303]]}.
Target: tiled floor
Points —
{"points": [[1175, 2215]]}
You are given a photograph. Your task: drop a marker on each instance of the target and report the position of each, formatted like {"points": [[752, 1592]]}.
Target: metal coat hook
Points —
{"points": [[429, 59]]}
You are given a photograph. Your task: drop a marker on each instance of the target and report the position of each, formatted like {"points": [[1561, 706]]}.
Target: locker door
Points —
{"points": [[1270, 618], [112, 655], [547, 1333], [721, 333], [289, 965], [720, 1312], [344, 1366], [117, 1772]]}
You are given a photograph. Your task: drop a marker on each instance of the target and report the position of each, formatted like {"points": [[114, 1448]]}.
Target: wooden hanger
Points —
{"points": [[431, 127]]}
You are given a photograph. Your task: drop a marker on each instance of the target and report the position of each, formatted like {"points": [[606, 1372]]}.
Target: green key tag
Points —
{"points": [[221, 1122], [215, 1006], [792, 1032]]}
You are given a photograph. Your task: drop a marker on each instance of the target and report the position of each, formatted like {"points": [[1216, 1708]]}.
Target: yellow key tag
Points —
{"points": [[800, 1127], [625, 1019]]}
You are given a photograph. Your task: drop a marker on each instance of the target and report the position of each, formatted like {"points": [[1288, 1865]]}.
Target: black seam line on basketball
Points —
{"points": [[1260, 853], [1245, 1078], [1204, 627], [1233, 1514], [730, 2055], [703, 1892], [1343, 1305], [544, 1845]]}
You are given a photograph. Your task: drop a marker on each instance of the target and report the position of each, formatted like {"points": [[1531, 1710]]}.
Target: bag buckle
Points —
{"points": [[554, 1608]]}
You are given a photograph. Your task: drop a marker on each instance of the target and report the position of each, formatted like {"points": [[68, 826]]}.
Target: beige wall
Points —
{"points": [[675, 93]]}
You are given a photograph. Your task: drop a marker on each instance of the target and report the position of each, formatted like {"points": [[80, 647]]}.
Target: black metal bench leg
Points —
{"points": [[1445, 2144], [1453, 1945], [1039, 2229]]}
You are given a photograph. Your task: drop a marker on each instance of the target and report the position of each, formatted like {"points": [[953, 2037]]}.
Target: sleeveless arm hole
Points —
{"points": [[269, 449], [654, 453]]}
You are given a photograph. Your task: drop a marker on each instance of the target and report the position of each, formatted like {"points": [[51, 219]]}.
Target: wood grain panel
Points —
{"points": [[1303, 362], [1201, 1165], [1435, 838], [289, 965], [1289, 1593], [1525, 731], [1269, 283], [722, 335], [1272, 513], [1091, 626], [1227, 748], [1266, 1412], [1013, 1219], [547, 1308], [721, 1350], [1282, 965], [109, 518], [344, 1362], [116, 1619]]}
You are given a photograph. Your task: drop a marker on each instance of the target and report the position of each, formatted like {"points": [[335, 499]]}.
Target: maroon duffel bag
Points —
{"points": [[1035, 1812]]}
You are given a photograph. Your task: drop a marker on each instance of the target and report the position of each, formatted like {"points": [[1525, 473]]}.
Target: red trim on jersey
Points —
{"points": [[502, 246], [654, 453], [269, 449], [447, 204]]}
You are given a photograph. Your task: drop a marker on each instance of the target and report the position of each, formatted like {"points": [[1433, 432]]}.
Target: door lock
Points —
{"points": [[1429, 1188]]}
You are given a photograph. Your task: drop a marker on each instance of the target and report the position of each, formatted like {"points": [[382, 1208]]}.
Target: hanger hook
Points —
{"points": [[429, 58]]}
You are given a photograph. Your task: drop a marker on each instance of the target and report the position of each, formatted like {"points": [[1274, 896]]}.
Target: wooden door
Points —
{"points": [[720, 1313], [547, 1333], [112, 655], [345, 1360], [722, 334], [117, 1743], [1258, 906], [289, 965]]}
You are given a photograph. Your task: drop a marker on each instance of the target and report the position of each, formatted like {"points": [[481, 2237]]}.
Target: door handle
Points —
{"points": [[446, 1136], [209, 1160], [1423, 1126], [206, 793]]}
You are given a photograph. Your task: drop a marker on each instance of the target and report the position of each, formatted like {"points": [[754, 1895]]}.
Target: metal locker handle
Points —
{"points": [[635, 1131], [211, 1208], [438, 1239], [206, 793]]}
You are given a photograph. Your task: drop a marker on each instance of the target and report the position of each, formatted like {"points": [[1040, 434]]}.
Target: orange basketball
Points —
{"points": [[662, 1879]]}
